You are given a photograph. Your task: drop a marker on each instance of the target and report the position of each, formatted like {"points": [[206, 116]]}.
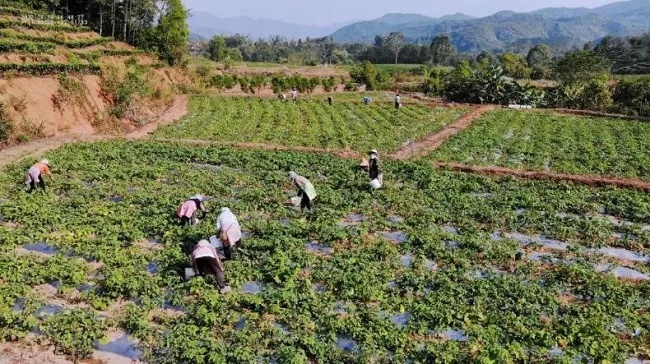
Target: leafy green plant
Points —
{"points": [[74, 332]]}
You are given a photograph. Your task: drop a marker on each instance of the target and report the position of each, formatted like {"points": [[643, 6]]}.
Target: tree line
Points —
{"points": [[628, 55]]}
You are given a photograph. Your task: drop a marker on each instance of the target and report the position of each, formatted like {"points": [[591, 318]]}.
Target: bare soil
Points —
{"points": [[595, 181], [39, 147], [434, 141]]}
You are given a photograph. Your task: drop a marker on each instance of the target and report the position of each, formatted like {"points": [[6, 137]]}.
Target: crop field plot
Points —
{"points": [[310, 122], [438, 266], [547, 141]]}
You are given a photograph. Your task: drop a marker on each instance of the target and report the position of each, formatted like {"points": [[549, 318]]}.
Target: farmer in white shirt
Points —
{"points": [[228, 231], [306, 191]]}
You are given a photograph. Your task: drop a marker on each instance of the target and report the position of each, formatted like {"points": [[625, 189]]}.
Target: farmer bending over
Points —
{"points": [[205, 261], [36, 172], [187, 211], [373, 170], [398, 101], [229, 231], [367, 100], [306, 190]]}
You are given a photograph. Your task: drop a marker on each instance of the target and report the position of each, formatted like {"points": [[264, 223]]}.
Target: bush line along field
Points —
{"points": [[544, 140], [310, 122], [438, 266]]}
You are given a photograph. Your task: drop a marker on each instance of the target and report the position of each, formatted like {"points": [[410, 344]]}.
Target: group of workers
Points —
{"points": [[205, 257]]}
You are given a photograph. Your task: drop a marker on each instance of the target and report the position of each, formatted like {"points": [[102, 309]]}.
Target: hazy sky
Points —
{"points": [[323, 12]]}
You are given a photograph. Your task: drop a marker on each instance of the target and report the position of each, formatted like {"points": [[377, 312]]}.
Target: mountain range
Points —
{"points": [[204, 25], [565, 27], [560, 27]]}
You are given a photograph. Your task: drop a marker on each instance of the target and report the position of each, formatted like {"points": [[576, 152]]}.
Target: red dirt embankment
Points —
{"points": [[587, 180]]}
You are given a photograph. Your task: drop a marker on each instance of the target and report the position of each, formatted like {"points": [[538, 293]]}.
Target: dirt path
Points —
{"points": [[38, 147], [636, 184], [595, 114], [434, 141], [175, 111]]}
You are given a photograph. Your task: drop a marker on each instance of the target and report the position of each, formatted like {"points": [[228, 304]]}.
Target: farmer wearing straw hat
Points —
{"points": [[205, 261], [306, 191], [376, 177], [187, 210], [36, 172], [228, 231]]}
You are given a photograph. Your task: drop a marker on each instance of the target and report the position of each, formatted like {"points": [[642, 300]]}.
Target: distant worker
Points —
{"points": [[398, 101], [229, 231], [294, 94], [306, 191], [376, 177], [282, 97], [35, 174], [330, 100], [187, 210], [367, 100], [205, 261]]}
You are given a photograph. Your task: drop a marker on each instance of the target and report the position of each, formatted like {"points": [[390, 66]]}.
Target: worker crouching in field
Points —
{"points": [[376, 177], [228, 231], [306, 191], [187, 211], [35, 174], [205, 261]]}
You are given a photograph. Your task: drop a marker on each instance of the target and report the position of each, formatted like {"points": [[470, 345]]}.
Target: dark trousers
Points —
{"points": [[209, 266], [32, 184], [305, 203], [227, 250]]}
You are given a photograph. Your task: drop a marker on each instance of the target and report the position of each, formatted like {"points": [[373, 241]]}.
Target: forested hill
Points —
{"points": [[556, 26]]}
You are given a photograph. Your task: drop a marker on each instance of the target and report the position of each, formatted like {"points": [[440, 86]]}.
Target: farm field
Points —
{"points": [[437, 267], [547, 141], [310, 122]]}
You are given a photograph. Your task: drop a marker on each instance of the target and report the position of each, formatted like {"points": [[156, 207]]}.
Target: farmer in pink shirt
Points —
{"points": [[187, 210], [205, 261]]}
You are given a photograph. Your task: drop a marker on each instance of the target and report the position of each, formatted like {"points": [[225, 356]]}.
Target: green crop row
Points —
{"points": [[41, 69], [81, 43], [25, 46], [310, 122], [456, 289], [56, 26], [547, 141]]}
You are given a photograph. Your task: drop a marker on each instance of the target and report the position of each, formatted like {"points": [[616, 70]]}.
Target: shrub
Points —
{"points": [[328, 83], [632, 97], [366, 73], [221, 82]]}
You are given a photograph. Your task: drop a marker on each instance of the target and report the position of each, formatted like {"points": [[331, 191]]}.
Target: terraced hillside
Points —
{"points": [[60, 78]]}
